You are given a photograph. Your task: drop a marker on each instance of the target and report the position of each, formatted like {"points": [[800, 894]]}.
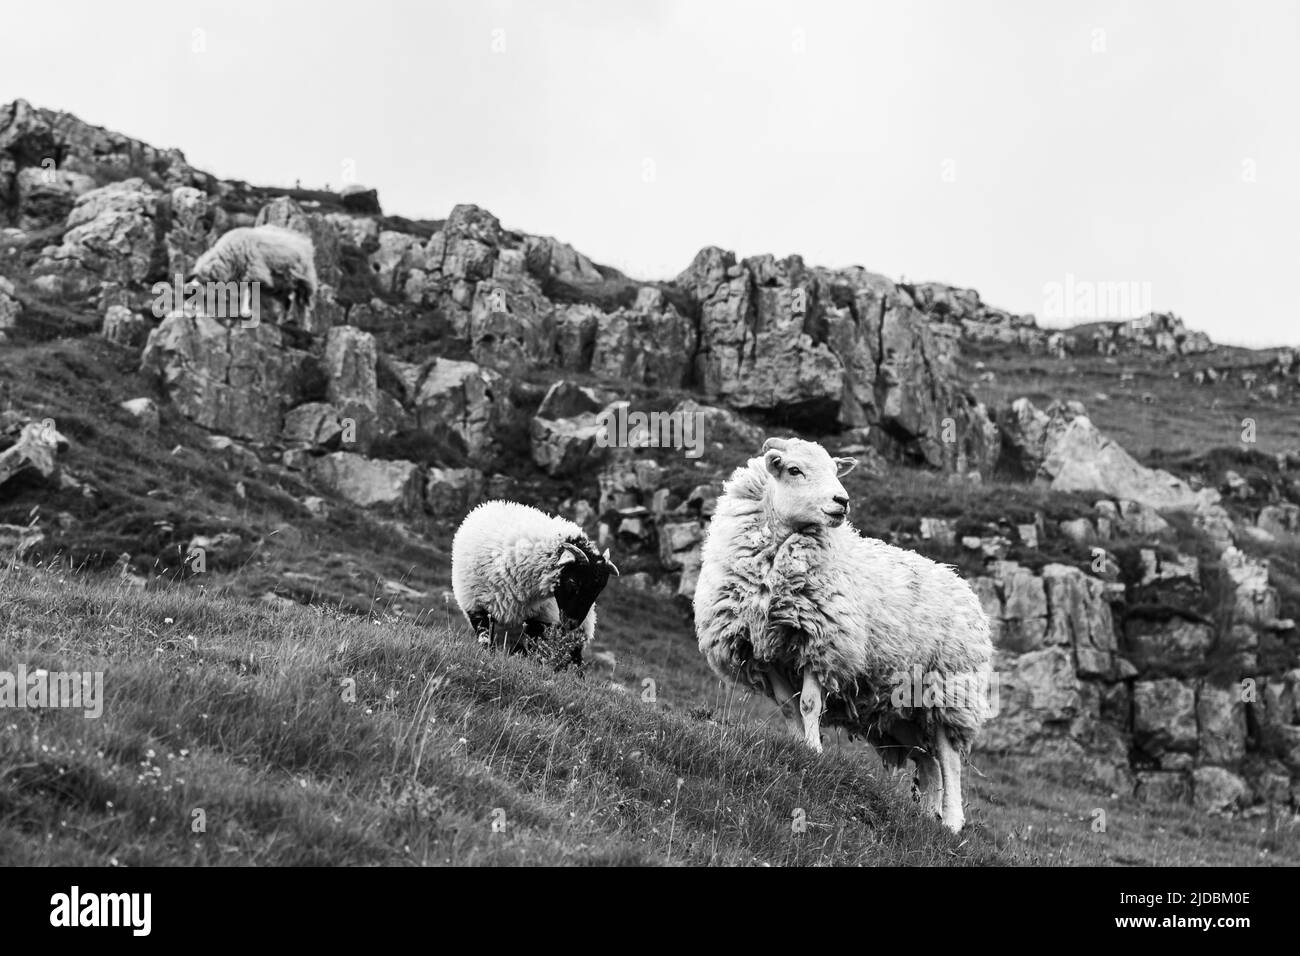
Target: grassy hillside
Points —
{"points": [[240, 712]]}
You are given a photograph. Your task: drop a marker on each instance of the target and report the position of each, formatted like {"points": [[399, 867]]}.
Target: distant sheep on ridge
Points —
{"points": [[280, 260]]}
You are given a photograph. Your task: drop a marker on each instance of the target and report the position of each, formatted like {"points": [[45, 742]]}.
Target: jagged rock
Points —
{"points": [[511, 325], [1175, 642], [962, 309], [1038, 697], [575, 335], [470, 400], [842, 345], [359, 231], [567, 437], [238, 381], [394, 485], [350, 362], [1221, 716], [316, 506], [313, 425], [565, 399], [545, 256], [47, 157], [1215, 790], [1024, 609], [111, 237], [643, 346], [124, 327], [10, 307], [1083, 459], [1164, 716], [35, 450], [1155, 331], [29, 134], [719, 427], [45, 195], [456, 259], [1024, 436], [392, 262], [1080, 616], [144, 411], [452, 491]]}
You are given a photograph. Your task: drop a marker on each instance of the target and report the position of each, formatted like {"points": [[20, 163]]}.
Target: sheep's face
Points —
{"points": [[583, 575], [805, 489]]}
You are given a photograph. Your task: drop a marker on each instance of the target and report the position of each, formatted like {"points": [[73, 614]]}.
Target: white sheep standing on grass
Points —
{"points": [[793, 602], [528, 580], [280, 260]]}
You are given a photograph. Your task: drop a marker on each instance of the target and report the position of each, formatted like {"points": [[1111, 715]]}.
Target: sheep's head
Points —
{"points": [[583, 575], [805, 489]]}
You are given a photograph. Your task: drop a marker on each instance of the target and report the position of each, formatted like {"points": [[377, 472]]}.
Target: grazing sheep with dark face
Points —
{"points": [[793, 603], [528, 580]]}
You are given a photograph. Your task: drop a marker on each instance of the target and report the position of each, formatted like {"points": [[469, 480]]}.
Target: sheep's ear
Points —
{"points": [[774, 443], [844, 465], [773, 460], [612, 566]]}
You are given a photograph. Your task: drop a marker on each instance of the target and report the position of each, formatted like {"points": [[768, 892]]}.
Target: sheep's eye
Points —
{"points": [[793, 472]]}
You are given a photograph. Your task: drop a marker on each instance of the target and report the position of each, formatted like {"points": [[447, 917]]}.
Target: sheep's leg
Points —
{"points": [[784, 696], [950, 768], [929, 783], [810, 705]]}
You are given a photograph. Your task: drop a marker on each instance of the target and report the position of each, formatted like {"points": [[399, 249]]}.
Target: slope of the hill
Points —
{"points": [[236, 734], [231, 735]]}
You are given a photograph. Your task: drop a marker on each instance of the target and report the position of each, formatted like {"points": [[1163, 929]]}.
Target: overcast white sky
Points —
{"points": [[1000, 145]]}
